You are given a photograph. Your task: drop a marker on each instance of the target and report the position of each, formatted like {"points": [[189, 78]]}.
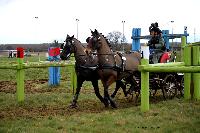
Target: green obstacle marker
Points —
{"points": [[144, 87], [73, 77], [187, 76], [20, 74], [196, 76], [145, 80], [183, 45]]}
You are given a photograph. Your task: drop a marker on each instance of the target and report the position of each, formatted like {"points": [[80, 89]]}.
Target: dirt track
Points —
{"points": [[89, 106], [30, 86]]}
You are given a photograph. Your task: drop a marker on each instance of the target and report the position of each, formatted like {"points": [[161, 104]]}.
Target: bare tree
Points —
{"points": [[115, 39]]}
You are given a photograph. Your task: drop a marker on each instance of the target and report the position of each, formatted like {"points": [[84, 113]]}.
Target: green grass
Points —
{"points": [[45, 110]]}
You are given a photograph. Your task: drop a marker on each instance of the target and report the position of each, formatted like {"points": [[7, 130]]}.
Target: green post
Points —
{"points": [[187, 76], [196, 76], [183, 44], [20, 75], [144, 87], [72, 58], [73, 77]]}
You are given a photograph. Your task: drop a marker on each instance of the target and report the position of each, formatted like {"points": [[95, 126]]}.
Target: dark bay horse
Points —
{"points": [[113, 66], [85, 67]]}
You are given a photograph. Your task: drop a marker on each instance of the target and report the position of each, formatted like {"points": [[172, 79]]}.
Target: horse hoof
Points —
{"points": [[113, 105], [73, 105], [112, 96], [106, 104]]}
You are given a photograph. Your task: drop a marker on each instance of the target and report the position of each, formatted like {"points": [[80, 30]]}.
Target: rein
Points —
{"points": [[103, 54]]}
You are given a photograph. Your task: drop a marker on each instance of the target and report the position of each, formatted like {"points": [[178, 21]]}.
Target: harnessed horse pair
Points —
{"points": [[89, 68]]}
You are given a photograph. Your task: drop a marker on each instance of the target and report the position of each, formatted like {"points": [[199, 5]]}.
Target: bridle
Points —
{"points": [[71, 44]]}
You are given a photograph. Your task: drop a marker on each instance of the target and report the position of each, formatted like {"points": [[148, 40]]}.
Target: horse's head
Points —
{"points": [[93, 43], [97, 41], [67, 48]]}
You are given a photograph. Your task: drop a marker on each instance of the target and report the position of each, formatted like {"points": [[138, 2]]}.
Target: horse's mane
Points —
{"points": [[106, 40], [77, 40]]}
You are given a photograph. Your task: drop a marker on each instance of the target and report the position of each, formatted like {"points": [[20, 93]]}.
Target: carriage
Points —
{"points": [[171, 84]]}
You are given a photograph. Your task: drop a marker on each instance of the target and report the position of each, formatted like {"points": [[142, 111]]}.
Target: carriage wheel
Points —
{"points": [[182, 86], [170, 86], [134, 90], [153, 87], [154, 84]]}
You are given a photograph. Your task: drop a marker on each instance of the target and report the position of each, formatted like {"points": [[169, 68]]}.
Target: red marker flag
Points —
{"points": [[54, 51], [20, 52]]}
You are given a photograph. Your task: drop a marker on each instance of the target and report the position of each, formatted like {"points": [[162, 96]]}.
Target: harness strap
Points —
{"points": [[123, 58], [87, 67]]}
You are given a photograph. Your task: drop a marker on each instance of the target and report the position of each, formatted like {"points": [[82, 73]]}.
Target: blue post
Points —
{"points": [[136, 32], [54, 72], [165, 34], [185, 33]]}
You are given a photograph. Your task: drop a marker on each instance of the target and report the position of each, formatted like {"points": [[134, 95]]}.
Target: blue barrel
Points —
{"points": [[54, 72], [54, 76]]}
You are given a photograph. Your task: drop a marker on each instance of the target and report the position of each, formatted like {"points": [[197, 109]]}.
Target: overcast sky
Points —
{"points": [[57, 18]]}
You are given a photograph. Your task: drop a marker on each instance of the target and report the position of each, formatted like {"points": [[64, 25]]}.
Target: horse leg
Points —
{"points": [[106, 94], [123, 86], [119, 84], [108, 98], [137, 95], [163, 92], [133, 85], [96, 89], [116, 90], [75, 98]]}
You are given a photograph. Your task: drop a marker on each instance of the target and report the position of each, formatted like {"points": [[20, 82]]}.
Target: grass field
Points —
{"points": [[46, 108]]}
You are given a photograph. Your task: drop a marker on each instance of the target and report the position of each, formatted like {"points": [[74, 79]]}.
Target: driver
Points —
{"points": [[156, 38]]}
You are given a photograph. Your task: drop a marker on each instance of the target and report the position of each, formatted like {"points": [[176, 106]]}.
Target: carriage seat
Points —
{"points": [[155, 55]]}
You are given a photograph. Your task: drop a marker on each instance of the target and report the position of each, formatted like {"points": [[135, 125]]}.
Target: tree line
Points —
{"points": [[115, 38]]}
